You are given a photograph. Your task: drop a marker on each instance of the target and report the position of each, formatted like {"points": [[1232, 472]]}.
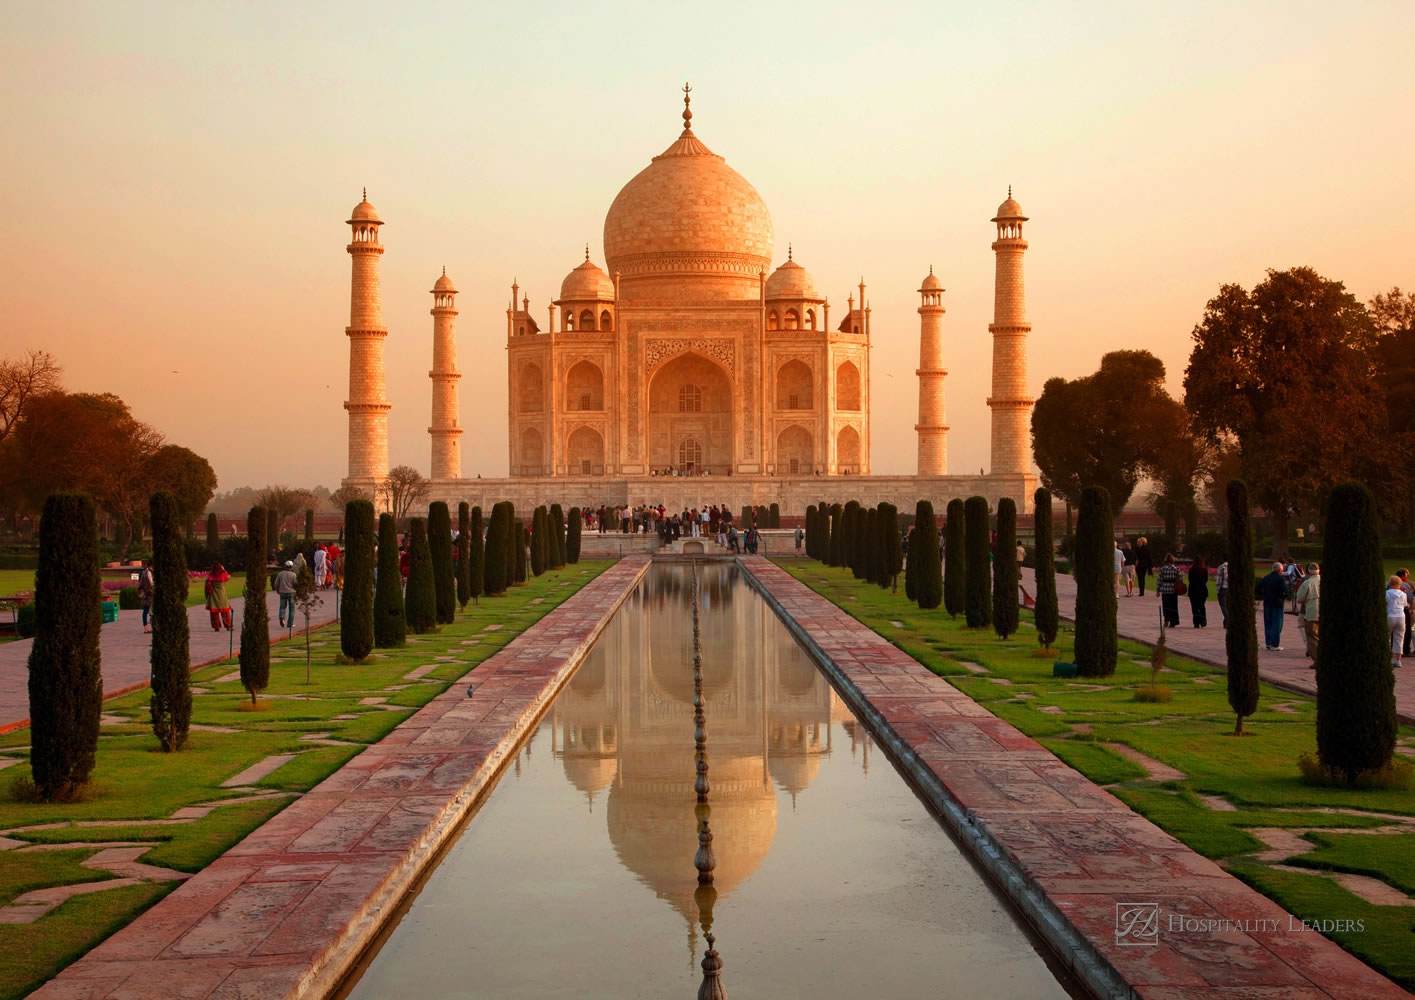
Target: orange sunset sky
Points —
{"points": [[177, 176]]}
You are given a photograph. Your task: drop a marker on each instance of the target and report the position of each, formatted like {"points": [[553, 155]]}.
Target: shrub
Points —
{"points": [[1212, 545], [496, 548], [893, 554], [65, 669], [1047, 614], [420, 602], [255, 617], [977, 601], [356, 609], [1004, 570], [1096, 640], [128, 599], [213, 533], [556, 523], [923, 547], [1240, 641], [26, 620], [955, 559], [773, 517], [1395, 775], [1356, 721], [171, 703], [464, 562], [540, 541], [518, 533], [390, 624], [572, 538], [439, 543]]}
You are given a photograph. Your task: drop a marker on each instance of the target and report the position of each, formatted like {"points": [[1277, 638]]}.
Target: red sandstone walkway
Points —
{"points": [[126, 653], [1038, 825], [1139, 618], [287, 911]]}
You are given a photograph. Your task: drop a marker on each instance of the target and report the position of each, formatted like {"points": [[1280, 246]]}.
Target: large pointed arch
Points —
{"points": [[690, 413]]}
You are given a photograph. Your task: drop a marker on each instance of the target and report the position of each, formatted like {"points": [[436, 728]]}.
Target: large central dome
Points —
{"points": [[689, 213]]}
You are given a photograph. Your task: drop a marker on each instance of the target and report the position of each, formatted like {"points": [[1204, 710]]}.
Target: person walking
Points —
{"points": [[285, 587], [1273, 590], [321, 565], [1309, 610], [1199, 592], [146, 588], [1221, 588], [1167, 583], [216, 603], [1144, 562], [1396, 603], [800, 536], [1128, 554], [1118, 558], [1409, 589]]}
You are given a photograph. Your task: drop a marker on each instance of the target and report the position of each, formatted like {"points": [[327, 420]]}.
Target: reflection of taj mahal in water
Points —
{"points": [[690, 354]]}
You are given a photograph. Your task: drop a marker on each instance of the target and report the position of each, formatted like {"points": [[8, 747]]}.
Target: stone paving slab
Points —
{"points": [[1067, 852], [288, 910]]}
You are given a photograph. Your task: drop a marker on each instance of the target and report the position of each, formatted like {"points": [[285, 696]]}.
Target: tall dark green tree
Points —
{"points": [[1047, 614], [540, 541], [572, 536], [861, 547], [955, 560], [836, 548], [272, 532], [977, 598], [1356, 720], [827, 525], [476, 557], [910, 563], [557, 537], [65, 669], [390, 624], [309, 530], [774, 516], [439, 543], [889, 540], [522, 543], [171, 703], [1096, 639], [464, 563], [515, 572], [255, 616], [1005, 570], [496, 574], [923, 552], [213, 533], [420, 603], [1241, 638], [356, 609], [810, 529]]}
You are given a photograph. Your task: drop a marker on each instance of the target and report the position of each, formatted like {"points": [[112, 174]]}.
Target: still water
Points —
{"points": [[576, 877]]}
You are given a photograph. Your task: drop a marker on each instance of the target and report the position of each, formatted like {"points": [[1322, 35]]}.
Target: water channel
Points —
{"points": [[576, 877]]}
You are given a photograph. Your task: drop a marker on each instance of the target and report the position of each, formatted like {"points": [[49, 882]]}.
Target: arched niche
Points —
{"points": [[690, 399], [793, 452], [794, 386], [532, 452], [584, 450], [531, 389], [847, 451], [847, 386], [584, 387]]}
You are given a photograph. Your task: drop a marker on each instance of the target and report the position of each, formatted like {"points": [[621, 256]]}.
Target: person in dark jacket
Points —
{"points": [[1167, 586], [1199, 592], [1273, 590], [1144, 562]]}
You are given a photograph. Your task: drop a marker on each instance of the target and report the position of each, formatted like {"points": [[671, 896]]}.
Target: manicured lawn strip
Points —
{"points": [[1257, 774], [135, 782]]}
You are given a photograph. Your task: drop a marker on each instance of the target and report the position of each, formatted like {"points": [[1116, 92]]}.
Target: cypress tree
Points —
{"points": [[521, 543], [496, 547], [557, 537], [255, 616], [420, 603], [893, 553], [977, 591], [356, 611], [1240, 641], [512, 537], [826, 526], [836, 548], [955, 560], [847, 544], [1047, 614], [868, 551], [1095, 585], [910, 563], [390, 626], [309, 530], [213, 533], [439, 543], [923, 552], [464, 562], [810, 528], [1004, 570], [572, 538], [540, 541], [272, 534], [1356, 721], [65, 669], [171, 703], [476, 557], [773, 518]]}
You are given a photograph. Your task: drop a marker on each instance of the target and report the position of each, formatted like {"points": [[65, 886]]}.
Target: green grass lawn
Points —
{"points": [[1257, 774], [135, 783]]}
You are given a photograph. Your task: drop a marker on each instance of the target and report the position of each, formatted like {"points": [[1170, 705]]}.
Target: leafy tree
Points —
{"points": [[171, 702], [341, 497], [572, 539], [65, 675], [283, 502], [1096, 639], [476, 557], [309, 529], [307, 598], [556, 523], [255, 616], [977, 599], [955, 555], [1264, 362], [1390, 473], [495, 572], [893, 560], [420, 603], [1356, 720], [464, 563], [540, 540], [33, 374], [356, 608], [390, 625], [923, 552], [1240, 640], [187, 476], [1047, 614], [213, 533], [1004, 570], [439, 541], [404, 488]]}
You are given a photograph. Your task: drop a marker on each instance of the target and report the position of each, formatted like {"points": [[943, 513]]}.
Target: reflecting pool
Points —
{"points": [[576, 877]]}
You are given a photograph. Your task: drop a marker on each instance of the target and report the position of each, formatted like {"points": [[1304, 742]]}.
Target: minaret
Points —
{"points": [[446, 434], [932, 430], [1011, 406], [368, 399]]}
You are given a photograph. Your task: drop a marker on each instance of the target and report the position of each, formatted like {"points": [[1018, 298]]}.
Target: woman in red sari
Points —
{"points": [[216, 601]]}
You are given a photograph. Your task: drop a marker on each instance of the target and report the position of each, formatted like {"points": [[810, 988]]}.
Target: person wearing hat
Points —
{"points": [[285, 587]]}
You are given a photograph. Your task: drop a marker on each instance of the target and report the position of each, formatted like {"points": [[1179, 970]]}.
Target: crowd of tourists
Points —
{"points": [[712, 521]]}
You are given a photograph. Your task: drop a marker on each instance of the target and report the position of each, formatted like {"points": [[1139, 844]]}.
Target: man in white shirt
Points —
{"points": [[1119, 566], [1308, 609]]}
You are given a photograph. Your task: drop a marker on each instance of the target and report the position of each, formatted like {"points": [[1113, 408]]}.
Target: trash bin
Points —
{"points": [[110, 611]]}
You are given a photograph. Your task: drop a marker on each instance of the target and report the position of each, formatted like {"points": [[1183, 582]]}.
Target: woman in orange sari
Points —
{"points": [[216, 601]]}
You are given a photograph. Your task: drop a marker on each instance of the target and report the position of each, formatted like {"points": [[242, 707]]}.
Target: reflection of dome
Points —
{"points": [[586, 282], [794, 756], [791, 281], [590, 774]]}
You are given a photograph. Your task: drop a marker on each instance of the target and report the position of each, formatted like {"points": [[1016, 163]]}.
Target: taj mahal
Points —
{"points": [[688, 371]]}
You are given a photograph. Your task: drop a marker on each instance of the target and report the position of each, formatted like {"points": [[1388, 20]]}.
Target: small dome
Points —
{"points": [[931, 283], [364, 212], [1009, 210], [587, 282], [791, 281], [444, 283]]}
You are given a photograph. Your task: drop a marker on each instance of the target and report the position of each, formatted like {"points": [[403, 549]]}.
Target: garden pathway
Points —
{"points": [[1139, 618], [125, 650]]}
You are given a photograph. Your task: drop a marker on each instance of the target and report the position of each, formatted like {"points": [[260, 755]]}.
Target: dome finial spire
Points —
{"points": [[587, 253], [365, 194], [790, 253], [687, 110], [1009, 190], [444, 270]]}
